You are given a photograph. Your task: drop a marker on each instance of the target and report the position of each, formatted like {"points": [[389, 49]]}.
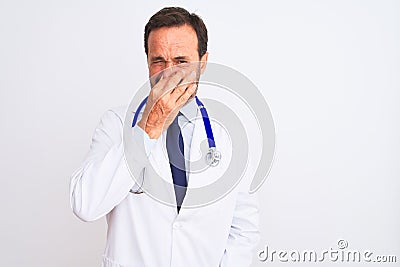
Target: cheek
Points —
{"points": [[155, 69]]}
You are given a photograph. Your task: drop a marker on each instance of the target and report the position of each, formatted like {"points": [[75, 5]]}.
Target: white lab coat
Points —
{"points": [[144, 232]]}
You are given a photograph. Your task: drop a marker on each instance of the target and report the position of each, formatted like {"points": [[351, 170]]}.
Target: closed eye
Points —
{"points": [[157, 62], [181, 60]]}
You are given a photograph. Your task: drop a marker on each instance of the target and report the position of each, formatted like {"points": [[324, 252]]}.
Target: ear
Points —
{"points": [[203, 61]]}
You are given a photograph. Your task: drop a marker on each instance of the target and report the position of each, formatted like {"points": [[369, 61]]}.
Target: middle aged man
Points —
{"points": [[141, 230]]}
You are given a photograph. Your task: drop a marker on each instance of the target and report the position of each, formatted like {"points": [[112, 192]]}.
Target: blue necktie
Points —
{"points": [[175, 149]]}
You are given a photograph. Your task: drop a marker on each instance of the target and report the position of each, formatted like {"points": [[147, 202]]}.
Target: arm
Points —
{"points": [[103, 180], [244, 234]]}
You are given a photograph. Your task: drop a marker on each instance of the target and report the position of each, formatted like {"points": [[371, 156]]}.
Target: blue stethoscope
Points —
{"points": [[213, 156]]}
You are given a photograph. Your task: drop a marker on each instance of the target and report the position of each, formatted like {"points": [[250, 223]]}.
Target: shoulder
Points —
{"points": [[112, 122], [116, 114]]}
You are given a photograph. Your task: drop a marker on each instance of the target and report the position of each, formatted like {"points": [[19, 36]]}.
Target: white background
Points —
{"points": [[329, 70]]}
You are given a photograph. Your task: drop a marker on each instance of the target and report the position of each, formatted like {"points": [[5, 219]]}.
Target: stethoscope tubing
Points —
{"points": [[204, 115]]}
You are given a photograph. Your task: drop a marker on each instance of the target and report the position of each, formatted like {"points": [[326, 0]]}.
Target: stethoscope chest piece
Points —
{"points": [[213, 157]]}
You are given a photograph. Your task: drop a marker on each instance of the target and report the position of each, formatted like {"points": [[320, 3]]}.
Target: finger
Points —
{"points": [[169, 82], [167, 101], [157, 83], [184, 85], [186, 74], [186, 95], [189, 78]]}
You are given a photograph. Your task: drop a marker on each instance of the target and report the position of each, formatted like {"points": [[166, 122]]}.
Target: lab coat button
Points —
{"points": [[177, 225]]}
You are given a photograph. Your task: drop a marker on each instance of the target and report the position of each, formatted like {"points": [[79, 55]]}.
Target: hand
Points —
{"points": [[165, 100]]}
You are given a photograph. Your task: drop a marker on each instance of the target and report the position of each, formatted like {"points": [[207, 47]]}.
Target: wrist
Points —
{"points": [[151, 131]]}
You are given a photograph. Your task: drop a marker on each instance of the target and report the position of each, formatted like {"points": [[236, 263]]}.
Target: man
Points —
{"points": [[141, 230]]}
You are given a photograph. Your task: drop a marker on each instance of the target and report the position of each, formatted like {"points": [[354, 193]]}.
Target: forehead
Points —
{"points": [[166, 38]]}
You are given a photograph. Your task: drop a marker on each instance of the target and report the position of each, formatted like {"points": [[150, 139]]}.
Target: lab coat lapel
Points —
{"points": [[198, 146], [202, 174], [160, 162], [195, 156], [158, 177]]}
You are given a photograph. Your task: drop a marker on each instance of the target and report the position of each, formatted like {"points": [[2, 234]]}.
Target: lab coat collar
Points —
{"points": [[189, 110]]}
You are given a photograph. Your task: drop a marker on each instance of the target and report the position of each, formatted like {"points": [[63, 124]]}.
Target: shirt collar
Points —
{"points": [[189, 110]]}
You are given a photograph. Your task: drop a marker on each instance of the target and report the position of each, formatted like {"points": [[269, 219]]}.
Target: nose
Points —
{"points": [[169, 64]]}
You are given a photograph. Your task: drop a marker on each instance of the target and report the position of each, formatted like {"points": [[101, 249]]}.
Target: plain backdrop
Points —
{"points": [[328, 69]]}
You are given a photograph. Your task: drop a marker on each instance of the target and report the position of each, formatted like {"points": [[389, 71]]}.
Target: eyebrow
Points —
{"points": [[181, 57], [157, 58]]}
